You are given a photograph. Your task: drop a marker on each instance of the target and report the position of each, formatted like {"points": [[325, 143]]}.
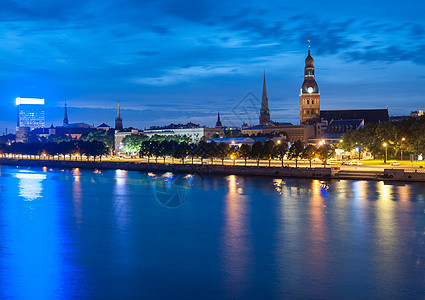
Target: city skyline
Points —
{"points": [[167, 63]]}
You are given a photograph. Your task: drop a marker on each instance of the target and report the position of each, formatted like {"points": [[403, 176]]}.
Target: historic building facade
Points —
{"points": [[309, 96]]}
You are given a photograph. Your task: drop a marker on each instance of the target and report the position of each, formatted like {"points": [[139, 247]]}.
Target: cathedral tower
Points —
{"points": [[118, 120], [65, 117], [264, 111], [309, 96]]}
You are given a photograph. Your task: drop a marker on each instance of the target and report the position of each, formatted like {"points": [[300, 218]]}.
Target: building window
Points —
{"points": [[312, 101]]}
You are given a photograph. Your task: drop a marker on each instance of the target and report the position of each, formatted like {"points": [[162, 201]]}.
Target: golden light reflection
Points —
{"points": [[279, 185], [317, 231], [77, 195], [360, 194], [235, 238], [386, 226], [385, 191], [405, 193]]}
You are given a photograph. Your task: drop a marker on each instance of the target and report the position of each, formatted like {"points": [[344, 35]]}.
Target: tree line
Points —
{"points": [[50, 149], [386, 138], [269, 150]]}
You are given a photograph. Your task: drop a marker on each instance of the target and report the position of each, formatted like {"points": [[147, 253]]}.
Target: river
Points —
{"points": [[118, 234]]}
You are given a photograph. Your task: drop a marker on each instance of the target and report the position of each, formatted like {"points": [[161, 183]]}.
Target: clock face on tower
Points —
{"points": [[310, 90]]}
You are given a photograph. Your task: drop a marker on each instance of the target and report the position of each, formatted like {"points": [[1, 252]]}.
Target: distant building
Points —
{"points": [[417, 113], [239, 141], [118, 120], [368, 115], [22, 134], [30, 112], [75, 131], [104, 126], [292, 133], [193, 132], [252, 130], [336, 128], [413, 114]]}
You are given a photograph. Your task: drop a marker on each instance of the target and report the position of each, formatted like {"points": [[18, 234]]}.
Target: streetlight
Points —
{"points": [[402, 140], [386, 152]]}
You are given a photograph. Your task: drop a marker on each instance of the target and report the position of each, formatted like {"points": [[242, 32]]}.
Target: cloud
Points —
{"points": [[176, 76]]}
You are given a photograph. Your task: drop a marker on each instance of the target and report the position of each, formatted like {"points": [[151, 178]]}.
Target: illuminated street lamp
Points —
{"points": [[402, 140], [386, 152], [233, 157]]}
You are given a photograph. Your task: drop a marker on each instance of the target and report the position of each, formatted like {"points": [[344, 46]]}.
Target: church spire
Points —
{"points": [[264, 111], [65, 116], [118, 120], [218, 124]]}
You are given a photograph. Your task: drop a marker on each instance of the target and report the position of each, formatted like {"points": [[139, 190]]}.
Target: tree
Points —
{"points": [[133, 143], [295, 151], [325, 152], [309, 153], [147, 149], [281, 150], [163, 149], [269, 150], [192, 151], [202, 150], [107, 137], [181, 151], [244, 152], [211, 149], [257, 152], [222, 151]]}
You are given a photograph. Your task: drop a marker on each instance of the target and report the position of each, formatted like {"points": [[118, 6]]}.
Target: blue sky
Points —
{"points": [[179, 61]]}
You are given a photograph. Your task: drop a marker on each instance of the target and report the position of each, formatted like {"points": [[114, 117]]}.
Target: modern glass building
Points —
{"points": [[30, 112]]}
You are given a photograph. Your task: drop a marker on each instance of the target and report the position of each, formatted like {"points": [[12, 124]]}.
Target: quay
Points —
{"points": [[332, 172]]}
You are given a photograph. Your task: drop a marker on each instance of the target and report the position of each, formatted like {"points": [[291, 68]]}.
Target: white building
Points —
{"points": [[30, 112]]}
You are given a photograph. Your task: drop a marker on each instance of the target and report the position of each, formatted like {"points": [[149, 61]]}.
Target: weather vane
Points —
{"points": [[308, 44]]}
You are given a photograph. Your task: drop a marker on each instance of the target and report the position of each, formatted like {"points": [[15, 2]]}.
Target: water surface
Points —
{"points": [[118, 234]]}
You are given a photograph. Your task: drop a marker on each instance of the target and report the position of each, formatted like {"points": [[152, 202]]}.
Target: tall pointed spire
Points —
{"points": [[118, 120], [218, 124], [65, 116], [264, 111]]}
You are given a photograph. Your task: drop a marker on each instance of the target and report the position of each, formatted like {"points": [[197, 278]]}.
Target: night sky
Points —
{"points": [[172, 61]]}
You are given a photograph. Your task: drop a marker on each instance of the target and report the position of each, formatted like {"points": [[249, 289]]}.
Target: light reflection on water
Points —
{"points": [[30, 187], [104, 235]]}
